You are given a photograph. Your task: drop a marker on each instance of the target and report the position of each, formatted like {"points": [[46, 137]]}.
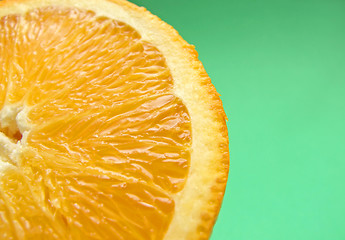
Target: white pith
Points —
{"points": [[13, 118]]}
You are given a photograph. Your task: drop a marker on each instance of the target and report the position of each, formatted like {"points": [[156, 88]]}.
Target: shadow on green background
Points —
{"points": [[280, 68]]}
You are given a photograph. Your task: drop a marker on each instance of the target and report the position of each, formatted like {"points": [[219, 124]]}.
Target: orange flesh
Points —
{"points": [[109, 143]]}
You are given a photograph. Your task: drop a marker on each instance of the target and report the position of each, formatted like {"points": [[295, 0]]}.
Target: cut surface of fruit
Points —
{"points": [[109, 126]]}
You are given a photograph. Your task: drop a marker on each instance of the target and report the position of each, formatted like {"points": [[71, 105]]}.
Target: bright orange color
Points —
{"points": [[109, 142]]}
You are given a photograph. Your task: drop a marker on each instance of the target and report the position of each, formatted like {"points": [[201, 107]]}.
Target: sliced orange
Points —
{"points": [[110, 127]]}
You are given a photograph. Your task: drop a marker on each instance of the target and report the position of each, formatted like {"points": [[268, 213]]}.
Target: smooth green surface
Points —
{"points": [[280, 68]]}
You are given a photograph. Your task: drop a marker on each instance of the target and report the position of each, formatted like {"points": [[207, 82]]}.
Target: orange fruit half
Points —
{"points": [[110, 127]]}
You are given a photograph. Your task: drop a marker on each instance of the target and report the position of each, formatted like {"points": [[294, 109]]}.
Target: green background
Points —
{"points": [[280, 68]]}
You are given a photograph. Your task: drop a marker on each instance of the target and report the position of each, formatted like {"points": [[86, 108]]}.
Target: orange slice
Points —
{"points": [[109, 125]]}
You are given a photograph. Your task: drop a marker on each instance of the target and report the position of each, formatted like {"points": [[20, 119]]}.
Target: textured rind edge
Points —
{"points": [[209, 215], [212, 204]]}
